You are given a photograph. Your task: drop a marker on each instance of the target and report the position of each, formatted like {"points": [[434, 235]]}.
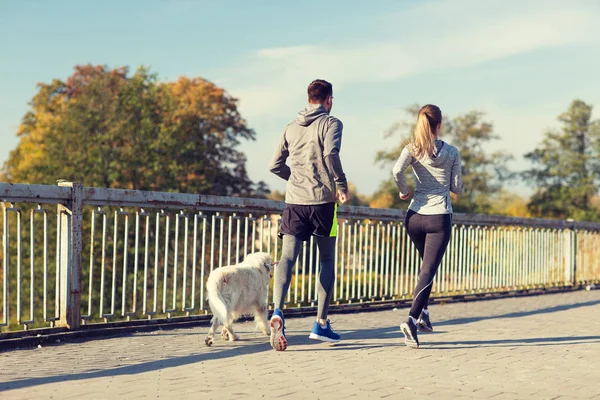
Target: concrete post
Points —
{"points": [[70, 217]]}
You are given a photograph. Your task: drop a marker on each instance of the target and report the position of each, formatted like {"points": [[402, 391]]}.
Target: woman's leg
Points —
{"points": [[432, 234], [437, 230], [417, 237]]}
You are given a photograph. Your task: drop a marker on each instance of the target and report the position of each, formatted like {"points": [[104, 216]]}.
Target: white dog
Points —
{"points": [[238, 290]]}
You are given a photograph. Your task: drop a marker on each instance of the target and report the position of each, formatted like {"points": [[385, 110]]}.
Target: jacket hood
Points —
{"points": [[309, 114], [442, 154]]}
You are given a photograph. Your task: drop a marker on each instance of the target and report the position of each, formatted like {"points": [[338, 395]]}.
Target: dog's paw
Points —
{"points": [[224, 335], [234, 337], [266, 333], [208, 341]]}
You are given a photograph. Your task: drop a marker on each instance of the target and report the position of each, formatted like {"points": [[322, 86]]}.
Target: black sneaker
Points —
{"points": [[409, 329], [424, 324]]}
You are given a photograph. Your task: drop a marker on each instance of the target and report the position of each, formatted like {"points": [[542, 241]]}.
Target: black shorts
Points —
{"points": [[304, 221]]}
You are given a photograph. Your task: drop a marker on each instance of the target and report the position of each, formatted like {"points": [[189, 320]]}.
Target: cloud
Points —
{"points": [[430, 38], [452, 35]]}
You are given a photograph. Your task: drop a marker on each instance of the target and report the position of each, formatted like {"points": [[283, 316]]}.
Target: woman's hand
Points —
{"points": [[405, 197]]}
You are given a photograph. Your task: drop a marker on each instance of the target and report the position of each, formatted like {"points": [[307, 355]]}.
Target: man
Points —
{"points": [[312, 144]]}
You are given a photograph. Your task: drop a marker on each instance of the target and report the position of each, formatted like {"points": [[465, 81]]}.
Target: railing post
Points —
{"points": [[574, 238], [572, 252], [70, 220]]}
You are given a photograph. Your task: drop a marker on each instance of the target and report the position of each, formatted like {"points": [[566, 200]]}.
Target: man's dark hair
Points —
{"points": [[319, 90]]}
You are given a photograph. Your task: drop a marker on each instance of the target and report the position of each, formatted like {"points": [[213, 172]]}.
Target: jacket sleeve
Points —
{"points": [[456, 184], [403, 162], [332, 143], [278, 165]]}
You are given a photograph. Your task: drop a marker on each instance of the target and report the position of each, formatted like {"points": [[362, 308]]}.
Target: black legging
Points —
{"points": [[430, 235]]}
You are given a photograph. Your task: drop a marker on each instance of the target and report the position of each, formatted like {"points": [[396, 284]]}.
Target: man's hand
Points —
{"points": [[405, 197], [343, 196]]}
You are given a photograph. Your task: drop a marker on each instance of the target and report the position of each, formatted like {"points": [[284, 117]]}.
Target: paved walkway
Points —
{"points": [[543, 347]]}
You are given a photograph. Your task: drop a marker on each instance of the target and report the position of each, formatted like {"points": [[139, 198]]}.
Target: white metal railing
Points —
{"points": [[120, 255]]}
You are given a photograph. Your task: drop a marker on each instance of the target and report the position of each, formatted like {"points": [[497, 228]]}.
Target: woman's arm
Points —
{"points": [[456, 184], [398, 172]]}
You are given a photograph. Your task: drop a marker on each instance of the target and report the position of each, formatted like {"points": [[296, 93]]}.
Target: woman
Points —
{"points": [[436, 166]]}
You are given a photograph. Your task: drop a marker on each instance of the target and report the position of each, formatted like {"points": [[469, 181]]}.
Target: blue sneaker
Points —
{"points": [[278, 340], [324, 334]]}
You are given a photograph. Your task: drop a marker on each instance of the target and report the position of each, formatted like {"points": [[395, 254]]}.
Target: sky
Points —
{"points": [[520, 62]]}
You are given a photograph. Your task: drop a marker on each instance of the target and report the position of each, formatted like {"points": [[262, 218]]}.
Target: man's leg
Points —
{"points": [[283, 270], [326, 276], [321, 329], [283, 276]]}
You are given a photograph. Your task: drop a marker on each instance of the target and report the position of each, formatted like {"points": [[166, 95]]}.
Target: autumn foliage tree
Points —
{"points": [[108, 128], [104, 127]]}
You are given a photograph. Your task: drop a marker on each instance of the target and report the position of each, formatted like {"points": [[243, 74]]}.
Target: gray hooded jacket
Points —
{"points": [[435, 178], [312, 143]]}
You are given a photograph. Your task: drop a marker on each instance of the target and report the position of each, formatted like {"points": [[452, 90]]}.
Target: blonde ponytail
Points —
{"points": [[422, 142]]}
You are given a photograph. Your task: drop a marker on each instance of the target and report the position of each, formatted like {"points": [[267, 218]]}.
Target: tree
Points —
{"points": [[276, 195], [386, 196], [483, 172], [509, 204], [105, 128], [356, 199], [108, 128], [566, 167]]}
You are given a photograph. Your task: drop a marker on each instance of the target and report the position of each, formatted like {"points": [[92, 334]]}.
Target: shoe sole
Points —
{"points": [[278, 341], [314, 336], [408, 338]]}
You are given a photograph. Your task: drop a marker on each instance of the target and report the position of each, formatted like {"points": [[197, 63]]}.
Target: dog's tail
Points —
{"points": [[215, 300]]}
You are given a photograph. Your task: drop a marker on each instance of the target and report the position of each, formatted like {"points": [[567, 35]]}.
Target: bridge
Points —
{"points": [[128, 267], [541, 347]]}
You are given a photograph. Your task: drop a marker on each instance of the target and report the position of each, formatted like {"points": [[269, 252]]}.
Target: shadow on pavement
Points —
{"points": [[220, 350], [518, 314], [537, 342], [213, 354], [250, 346]]}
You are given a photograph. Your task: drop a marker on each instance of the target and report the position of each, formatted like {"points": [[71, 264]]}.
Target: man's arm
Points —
{"points": [[278, 165], [332, 143]]}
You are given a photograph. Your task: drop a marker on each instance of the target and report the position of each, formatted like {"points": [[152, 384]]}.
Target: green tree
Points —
{"points": [[483, 172], [386, 195], [566, 167], [105, 128]]}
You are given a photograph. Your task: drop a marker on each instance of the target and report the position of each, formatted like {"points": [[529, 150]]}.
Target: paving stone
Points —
{"points": [[542, 347]]}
